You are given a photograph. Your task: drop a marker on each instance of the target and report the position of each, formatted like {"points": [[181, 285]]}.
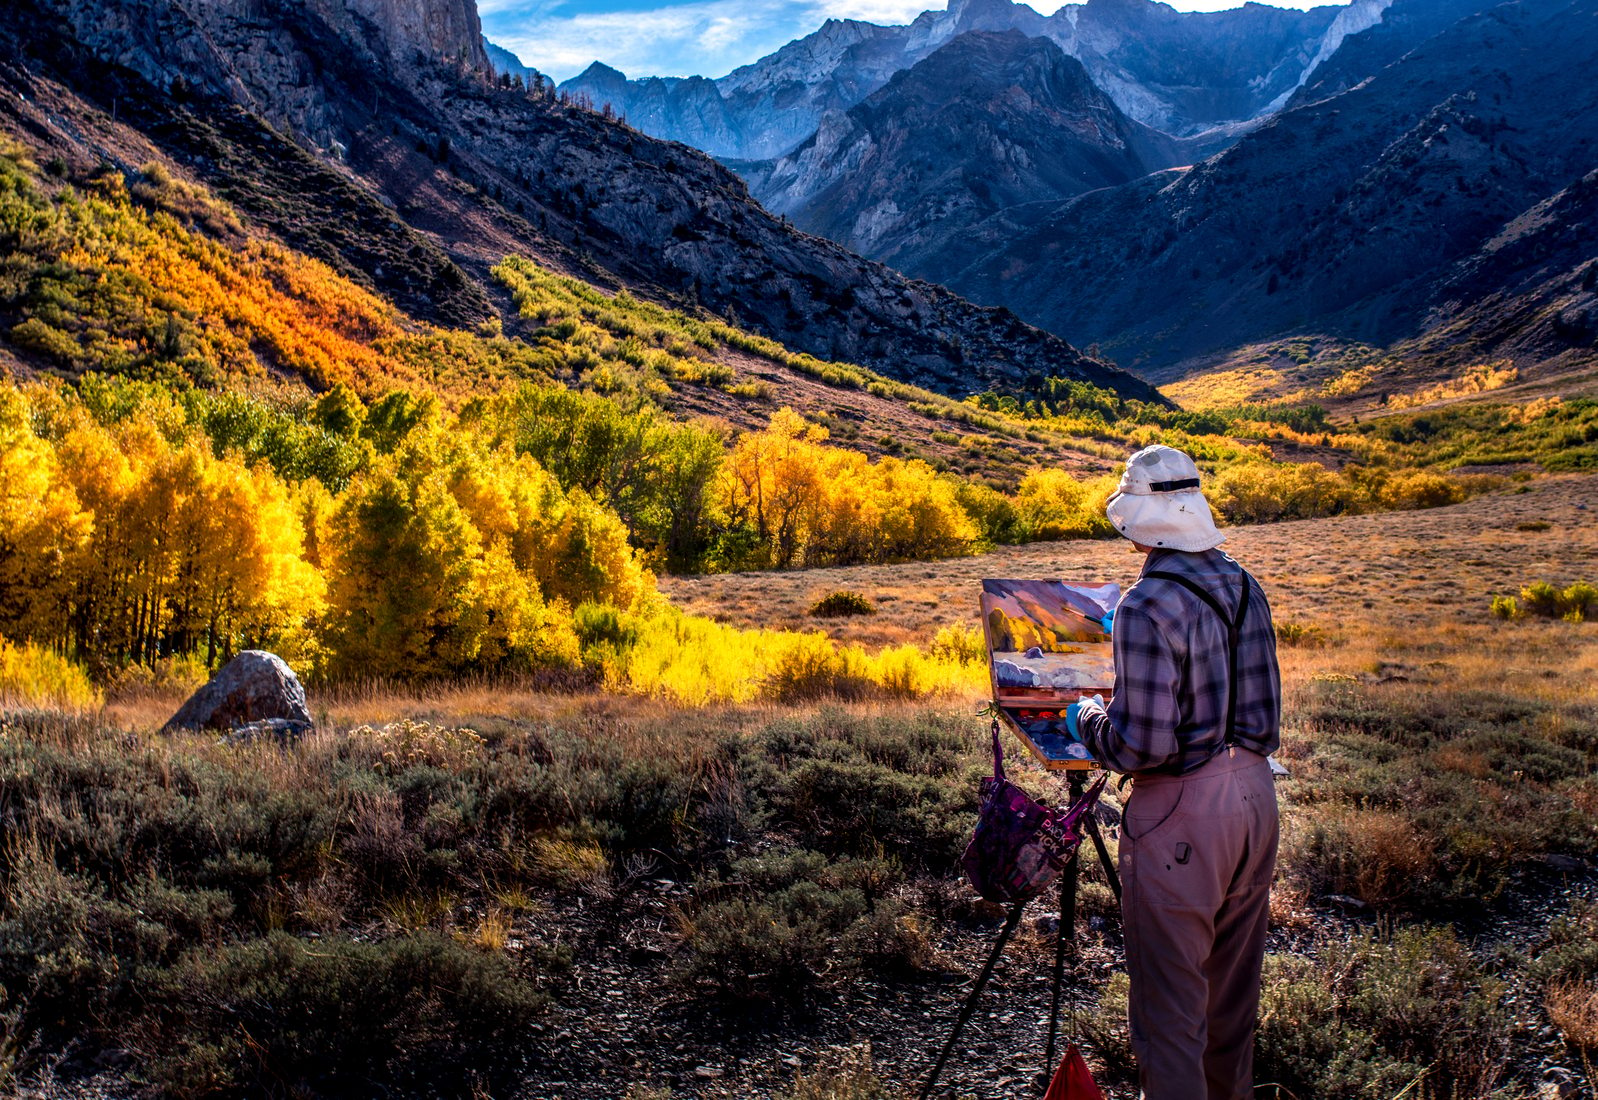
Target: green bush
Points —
{"points": [[818, 671], [1507, 607], [1569, 949], [850, 785], [1575, 604], [274, 1015], [33, 676], [781, 926], [841, 604], [1373, 1014], [1430, 796], [1301, 635], [963, 642]]}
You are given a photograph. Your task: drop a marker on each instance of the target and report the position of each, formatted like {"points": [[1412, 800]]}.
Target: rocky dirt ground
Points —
{"points": [[618, 1025]]}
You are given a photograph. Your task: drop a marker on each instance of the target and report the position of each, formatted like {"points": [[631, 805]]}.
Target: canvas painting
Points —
{"points": [[1047, 646]]}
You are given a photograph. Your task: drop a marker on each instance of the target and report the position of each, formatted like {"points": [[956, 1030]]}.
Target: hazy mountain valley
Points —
{"points": [[984, 184]]}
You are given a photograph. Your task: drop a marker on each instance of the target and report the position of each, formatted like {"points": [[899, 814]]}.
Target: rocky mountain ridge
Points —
{"points": [[382, 142], [1180, 72], [1364, 214], [988, 121]]}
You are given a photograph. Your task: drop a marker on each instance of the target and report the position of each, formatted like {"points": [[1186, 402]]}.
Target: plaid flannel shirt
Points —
{"points": [[1168, 714]]}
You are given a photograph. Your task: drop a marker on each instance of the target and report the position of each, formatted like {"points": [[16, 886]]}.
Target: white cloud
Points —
{"points": [[708, 37], [883, 12], [517, 9]]}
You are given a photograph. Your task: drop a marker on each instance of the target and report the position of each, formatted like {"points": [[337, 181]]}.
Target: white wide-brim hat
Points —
{"points": [[1158, 502]]}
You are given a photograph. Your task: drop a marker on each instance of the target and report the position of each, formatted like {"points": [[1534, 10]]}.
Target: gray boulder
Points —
{"points": [[252, 687]]}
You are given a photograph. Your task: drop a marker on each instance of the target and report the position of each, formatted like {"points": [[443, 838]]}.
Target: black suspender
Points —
{"points": [[1234, 632]]}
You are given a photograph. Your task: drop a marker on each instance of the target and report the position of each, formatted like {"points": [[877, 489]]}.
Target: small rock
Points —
{"points": [[285, 731], [114, 1058], [1343, 901], [708, 1072], [1557, 862]]}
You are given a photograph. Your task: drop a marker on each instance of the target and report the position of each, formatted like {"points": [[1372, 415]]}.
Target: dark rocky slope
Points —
{"points": [[1345, 215], [1403, 26], [1530, 292], [376, 136]]}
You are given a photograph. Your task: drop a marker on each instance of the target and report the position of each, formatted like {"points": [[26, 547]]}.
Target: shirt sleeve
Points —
{"points": [[1138, 731]]}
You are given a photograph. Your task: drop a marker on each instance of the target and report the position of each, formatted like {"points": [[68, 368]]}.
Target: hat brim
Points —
{"points": [[1170, 521]]}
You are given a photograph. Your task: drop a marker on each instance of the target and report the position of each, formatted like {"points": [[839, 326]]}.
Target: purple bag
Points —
{"points": [[1020, 846]]}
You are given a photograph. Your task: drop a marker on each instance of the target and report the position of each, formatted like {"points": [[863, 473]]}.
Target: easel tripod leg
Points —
{"points": [[1066, 933], [970, 1004], [1104, 856]]}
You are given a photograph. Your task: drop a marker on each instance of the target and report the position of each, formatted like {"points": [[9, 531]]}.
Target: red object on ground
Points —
{"points": [[1072, 1081]]}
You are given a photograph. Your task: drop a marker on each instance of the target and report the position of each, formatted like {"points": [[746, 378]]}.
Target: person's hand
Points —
{"points": [[1073, 713], [1108, 622]]}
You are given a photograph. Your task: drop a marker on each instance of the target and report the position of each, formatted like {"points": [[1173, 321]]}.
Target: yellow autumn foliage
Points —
{"points": [[129, 541], [810, 504]]}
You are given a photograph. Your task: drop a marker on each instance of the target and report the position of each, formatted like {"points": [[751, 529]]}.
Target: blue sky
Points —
{"points": [[686, 37]]}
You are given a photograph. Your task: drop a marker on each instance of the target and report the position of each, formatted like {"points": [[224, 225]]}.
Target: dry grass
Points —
{"points": [[1572, 1006], [1405, 572]]}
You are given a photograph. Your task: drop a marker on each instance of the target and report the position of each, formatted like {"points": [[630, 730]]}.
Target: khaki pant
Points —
{"points": [[1198, 853]]}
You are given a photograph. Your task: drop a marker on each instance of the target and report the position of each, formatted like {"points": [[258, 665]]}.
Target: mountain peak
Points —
{"points": [[969, 11], [987, 62], [597, 71], [988, 120]]}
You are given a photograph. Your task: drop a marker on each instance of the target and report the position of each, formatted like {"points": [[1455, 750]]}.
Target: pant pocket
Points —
{"points": [[1151, 809]]}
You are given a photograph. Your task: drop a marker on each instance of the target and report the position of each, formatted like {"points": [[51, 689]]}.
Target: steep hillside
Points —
{"points": [[1529, 294], [1181, 72], [142, 273], [1403, 25], [382, 143], [1343, 216], [986, 122]]}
